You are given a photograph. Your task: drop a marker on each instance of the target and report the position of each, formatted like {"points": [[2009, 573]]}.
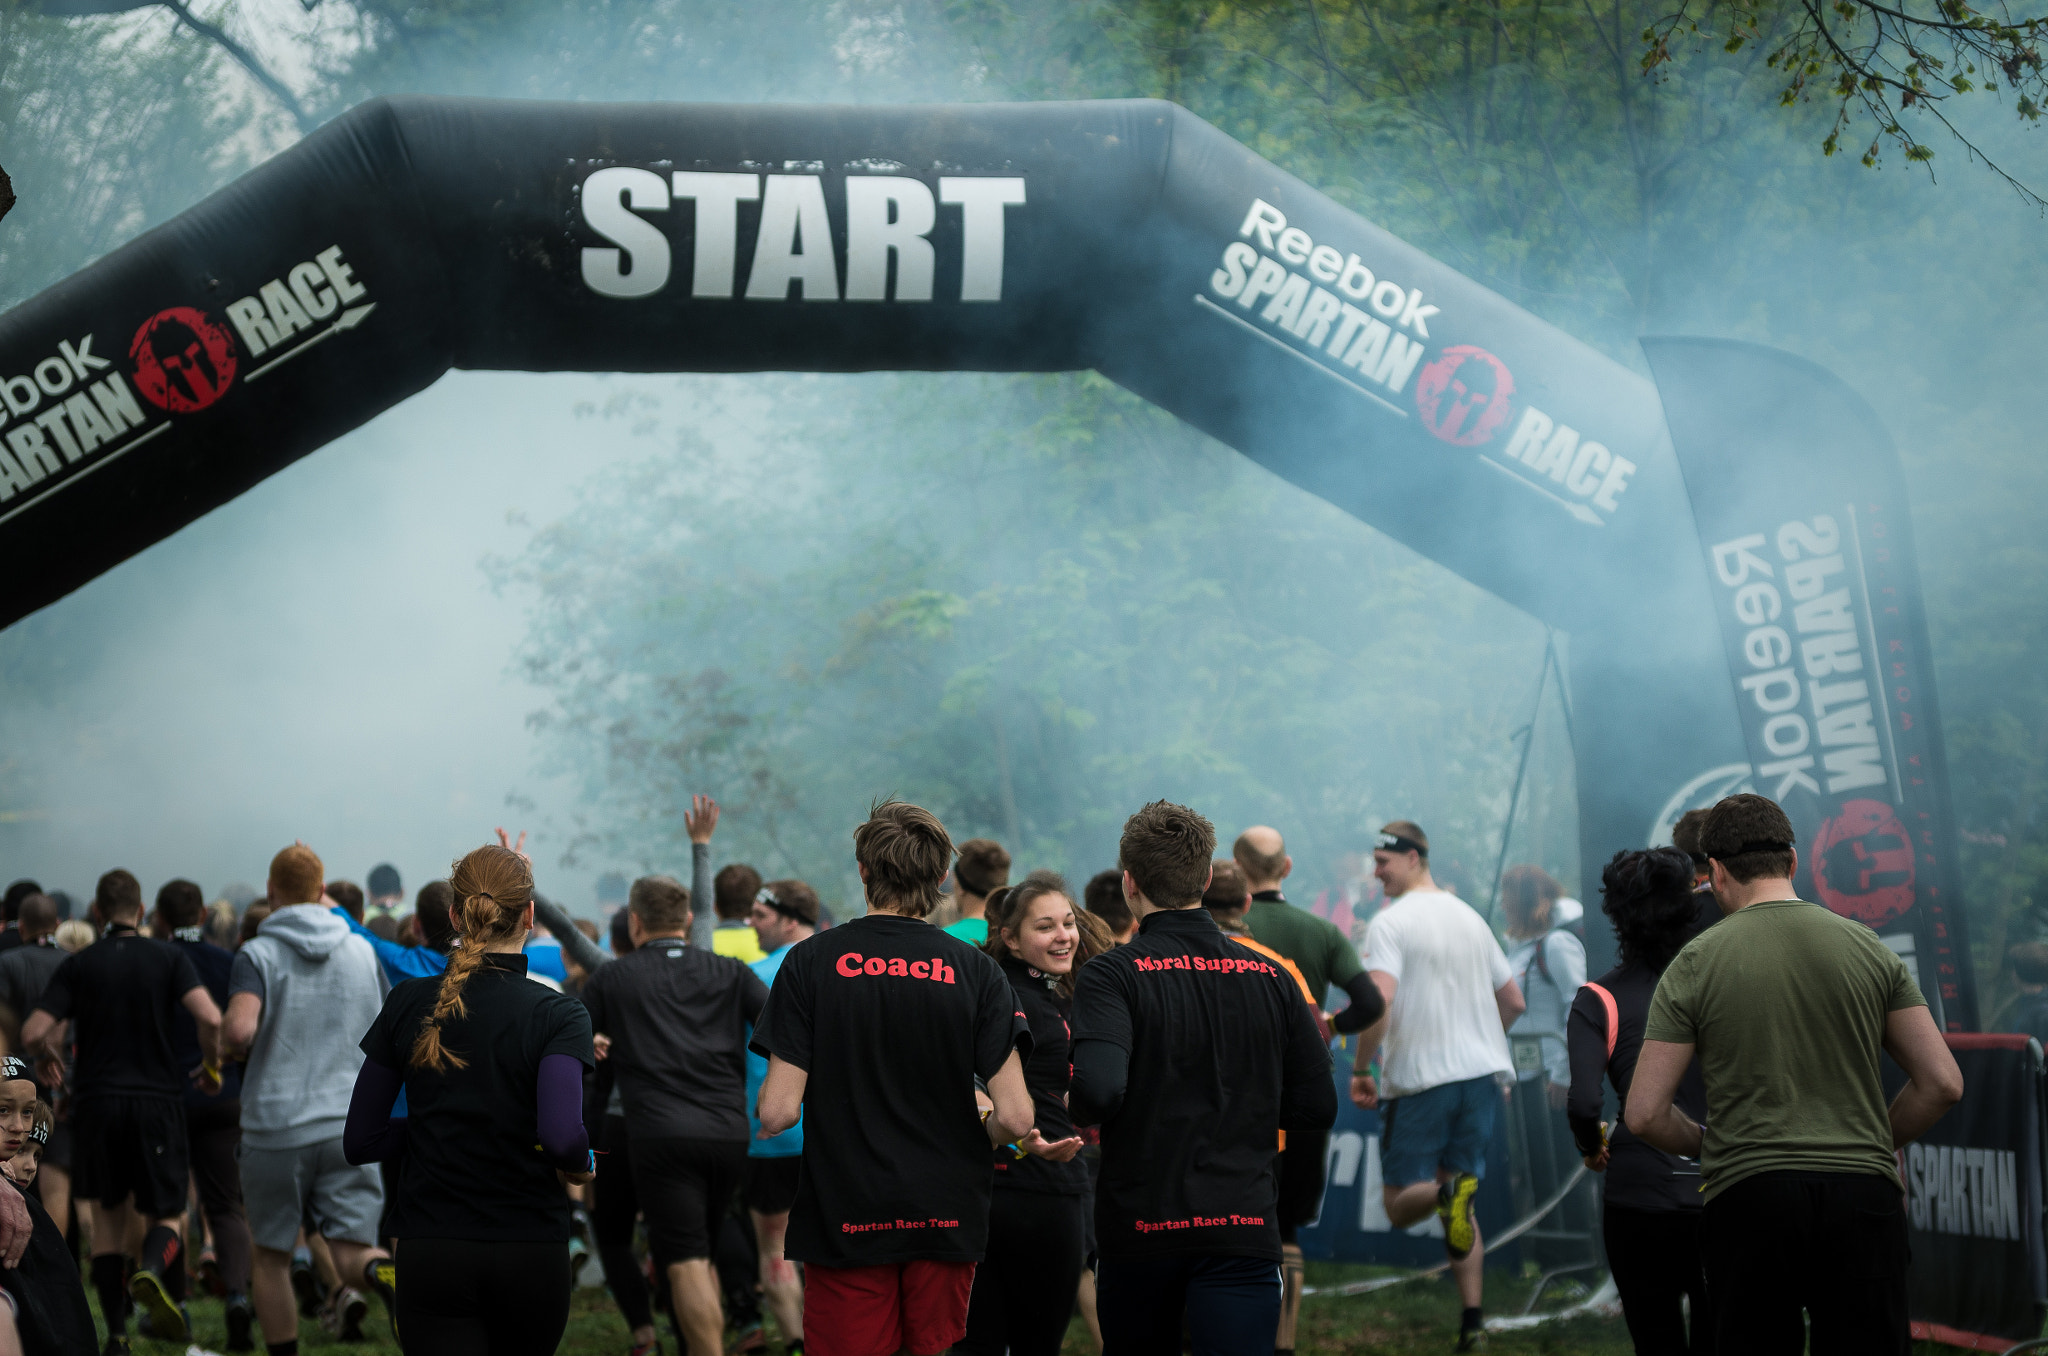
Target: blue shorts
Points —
{"points": [[1444, 1127]]}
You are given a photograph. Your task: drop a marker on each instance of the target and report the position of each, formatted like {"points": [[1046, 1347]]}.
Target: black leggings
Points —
{"points": [[457, 1297], [1655, 1258], [1024, 1288], [618, 1206]]}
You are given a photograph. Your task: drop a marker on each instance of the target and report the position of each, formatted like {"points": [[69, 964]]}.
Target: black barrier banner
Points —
{"points": [[414, 235], [1801, 508], [1974, 1201]]}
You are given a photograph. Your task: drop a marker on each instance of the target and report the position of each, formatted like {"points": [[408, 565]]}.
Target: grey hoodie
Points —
{"points": [[321, 988]]}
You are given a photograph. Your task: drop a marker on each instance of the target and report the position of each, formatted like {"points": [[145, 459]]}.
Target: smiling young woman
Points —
{"points": [[1024, 1288]]}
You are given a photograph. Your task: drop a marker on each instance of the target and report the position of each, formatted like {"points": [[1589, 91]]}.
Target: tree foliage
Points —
{"points": [[1031, 603]]}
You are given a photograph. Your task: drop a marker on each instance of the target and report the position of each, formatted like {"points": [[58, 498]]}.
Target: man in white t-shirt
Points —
{"points": [[1450, 1000]]}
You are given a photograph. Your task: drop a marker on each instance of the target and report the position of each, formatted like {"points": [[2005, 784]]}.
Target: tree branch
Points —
{"points": [[217, 35]]}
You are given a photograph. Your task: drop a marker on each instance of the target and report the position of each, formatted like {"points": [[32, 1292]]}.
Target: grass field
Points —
{"points": [[1414, 1318]]}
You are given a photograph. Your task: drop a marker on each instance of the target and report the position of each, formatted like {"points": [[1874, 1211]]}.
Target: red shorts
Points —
{"points": [[918, 1307]]}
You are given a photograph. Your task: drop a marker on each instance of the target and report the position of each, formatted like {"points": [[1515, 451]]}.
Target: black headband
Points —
{"points": [[14, 1069], [1394, 842], [40, 1133], [781, 906], [1764, 845]]}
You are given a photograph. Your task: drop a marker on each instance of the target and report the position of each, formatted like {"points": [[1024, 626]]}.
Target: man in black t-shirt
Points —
{"points": [[876, 1031], [213, 1121], [122, 994], [1195, 1055], [675, 1020]]}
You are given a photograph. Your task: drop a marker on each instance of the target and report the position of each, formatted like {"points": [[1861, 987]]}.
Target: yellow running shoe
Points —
{"points": [[1454, 1208], [166, 1319]]}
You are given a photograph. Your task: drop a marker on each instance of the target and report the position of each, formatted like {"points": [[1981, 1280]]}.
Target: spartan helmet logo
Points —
{"points": [[184, 360], [1863, 863], [1463, 396]]}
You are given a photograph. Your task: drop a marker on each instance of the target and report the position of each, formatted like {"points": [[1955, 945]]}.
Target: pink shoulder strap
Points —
{"points": [[1613, 1016]]}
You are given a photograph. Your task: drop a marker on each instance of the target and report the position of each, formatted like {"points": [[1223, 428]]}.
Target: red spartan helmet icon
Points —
{"points": [[1463, 397], [1863, 863], [184, 360]]}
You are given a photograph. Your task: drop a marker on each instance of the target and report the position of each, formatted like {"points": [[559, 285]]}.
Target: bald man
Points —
{"points": [[1323, 956]]}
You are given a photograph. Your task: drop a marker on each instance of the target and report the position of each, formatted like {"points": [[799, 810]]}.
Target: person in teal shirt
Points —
{"points": [[983, 869], [784, 913]]}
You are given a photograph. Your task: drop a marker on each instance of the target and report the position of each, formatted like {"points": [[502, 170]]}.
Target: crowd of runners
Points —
{"points": [[955, 1121]]}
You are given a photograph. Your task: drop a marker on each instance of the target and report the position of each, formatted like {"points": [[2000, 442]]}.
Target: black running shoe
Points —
{"points": [[380, 1274], [153, 1298], [312, 1295], [241, 1318]]}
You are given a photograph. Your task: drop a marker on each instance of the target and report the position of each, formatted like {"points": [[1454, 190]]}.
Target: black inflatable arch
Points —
{"points": [[414, 235]]}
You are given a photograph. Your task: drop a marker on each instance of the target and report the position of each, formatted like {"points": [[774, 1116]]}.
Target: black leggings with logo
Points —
{"points": [[459, 1297], [1024, 1288]]}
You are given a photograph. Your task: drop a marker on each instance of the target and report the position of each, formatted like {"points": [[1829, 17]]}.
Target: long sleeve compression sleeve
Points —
{"points": [[558, 1112], [1587, 1039], [705, 919], [1368, 1004], [587, 954]]}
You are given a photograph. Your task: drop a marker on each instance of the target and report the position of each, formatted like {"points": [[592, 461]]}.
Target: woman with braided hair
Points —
{"points": [[492, 1065]]}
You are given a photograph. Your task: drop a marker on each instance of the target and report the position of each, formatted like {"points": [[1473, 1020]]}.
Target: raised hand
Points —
{"points": [[505, 840], [701, 819]]}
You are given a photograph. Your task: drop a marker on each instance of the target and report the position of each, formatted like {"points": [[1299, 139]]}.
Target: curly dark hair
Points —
{"points": [[1648, 897]]}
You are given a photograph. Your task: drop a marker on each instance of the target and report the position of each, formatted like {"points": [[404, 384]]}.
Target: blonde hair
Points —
{"points": [[493, 885]]}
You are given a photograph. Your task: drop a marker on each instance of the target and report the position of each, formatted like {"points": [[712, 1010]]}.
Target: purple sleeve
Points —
{"points": [[371, 1135], [558, 1112]]}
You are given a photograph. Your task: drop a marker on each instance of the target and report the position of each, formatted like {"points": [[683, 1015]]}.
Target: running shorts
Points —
{"points": [[313, 1184], [914, 1307], [771, 1184], [131, 1146], [685, 1187], [1447, 1127]]}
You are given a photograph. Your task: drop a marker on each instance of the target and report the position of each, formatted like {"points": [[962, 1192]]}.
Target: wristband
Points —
{"points": [[211, 1071]]}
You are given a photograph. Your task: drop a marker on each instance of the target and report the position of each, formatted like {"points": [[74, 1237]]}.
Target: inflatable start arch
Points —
{"points": [[1732, 561]]}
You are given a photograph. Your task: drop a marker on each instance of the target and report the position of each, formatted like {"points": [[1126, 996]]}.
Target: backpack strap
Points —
{"points": [[1613, 1016]]}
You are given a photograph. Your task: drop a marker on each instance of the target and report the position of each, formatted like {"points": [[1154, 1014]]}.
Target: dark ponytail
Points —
{"points": [[493, 885]]}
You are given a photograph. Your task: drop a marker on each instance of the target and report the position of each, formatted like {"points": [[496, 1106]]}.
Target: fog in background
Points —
{"points": [[322, 659], [756, 587]]}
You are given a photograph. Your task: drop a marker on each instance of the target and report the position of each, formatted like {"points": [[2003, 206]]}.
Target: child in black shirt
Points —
{"points": [[43, 1291]]}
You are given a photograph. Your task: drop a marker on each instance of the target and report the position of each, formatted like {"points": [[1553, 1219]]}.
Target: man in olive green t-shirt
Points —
{"points": [[1325, 957], [1787, 1006]]}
